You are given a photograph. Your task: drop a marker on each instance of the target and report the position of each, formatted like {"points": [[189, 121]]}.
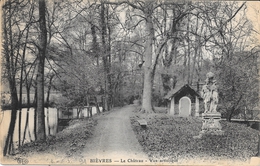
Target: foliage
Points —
{"points": [[78, 79], [238, 84]]}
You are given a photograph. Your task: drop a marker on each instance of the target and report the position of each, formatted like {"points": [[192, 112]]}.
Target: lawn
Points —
{"points": [[169, 138]]}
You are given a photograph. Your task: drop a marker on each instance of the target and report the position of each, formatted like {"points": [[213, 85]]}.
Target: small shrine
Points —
{"points": [[182, 100]]}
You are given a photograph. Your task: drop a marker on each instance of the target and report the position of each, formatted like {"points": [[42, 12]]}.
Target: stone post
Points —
{"points": [[172, 106], [197, 106]]}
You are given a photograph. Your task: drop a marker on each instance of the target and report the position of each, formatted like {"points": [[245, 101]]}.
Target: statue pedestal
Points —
{"points": [[210, 124]]}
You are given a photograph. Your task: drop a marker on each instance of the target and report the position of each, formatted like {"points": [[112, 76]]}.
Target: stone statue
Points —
{"points": [[210, 118], [210, 94]]}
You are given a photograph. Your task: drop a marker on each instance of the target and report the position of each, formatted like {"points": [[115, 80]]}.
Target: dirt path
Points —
{"points": [[113, 142], [114, 139]]}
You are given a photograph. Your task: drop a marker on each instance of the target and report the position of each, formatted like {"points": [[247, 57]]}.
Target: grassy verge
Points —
{"points": [[65, 147], [171, 139]]}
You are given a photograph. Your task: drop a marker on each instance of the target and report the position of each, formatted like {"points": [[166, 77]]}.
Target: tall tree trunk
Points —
{"points": [[27, 115], [96, 52], [148, 85], [109, 79], [48, 121], [78, 111], [14, 103], [40, 74], [49, 91], [21, 89], [194, 61], [19, 120], [35, 115], [28, 84], [97, 105], [104, 56], [189, 50], [196, 48], [95, 45]]}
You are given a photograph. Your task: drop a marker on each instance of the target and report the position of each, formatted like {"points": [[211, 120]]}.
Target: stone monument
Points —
{"points": [[210, 117]]}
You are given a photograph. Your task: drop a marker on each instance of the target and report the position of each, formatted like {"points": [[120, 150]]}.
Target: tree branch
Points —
{"points": [[213, 34], [125, 2], [157, 54]]}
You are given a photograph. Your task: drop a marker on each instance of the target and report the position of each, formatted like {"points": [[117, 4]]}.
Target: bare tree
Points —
{"points": [[10, 61]]}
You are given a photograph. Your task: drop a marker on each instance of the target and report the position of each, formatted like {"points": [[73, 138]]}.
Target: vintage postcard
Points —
{"points": [[130, 82]]}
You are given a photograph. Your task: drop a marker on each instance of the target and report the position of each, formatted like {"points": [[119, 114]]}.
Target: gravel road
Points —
{"points": [[114, 139]]}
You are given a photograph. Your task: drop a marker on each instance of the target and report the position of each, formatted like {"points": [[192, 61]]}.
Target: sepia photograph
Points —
{"points": [[130, 82]]}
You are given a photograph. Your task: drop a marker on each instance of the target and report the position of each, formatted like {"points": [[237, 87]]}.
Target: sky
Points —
{"points": [[253, 13]]}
